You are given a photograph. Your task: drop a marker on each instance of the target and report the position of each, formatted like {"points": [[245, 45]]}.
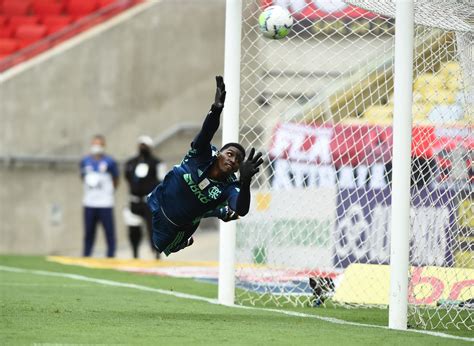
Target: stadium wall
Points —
{"points": [[142, 72]]}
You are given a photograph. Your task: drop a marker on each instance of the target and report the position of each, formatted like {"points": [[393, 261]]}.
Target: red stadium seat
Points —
{"points": [[6, 32], [31, 32], [16, 7], [48, 8], [8, 45], [56, 23], [105, 3], [56, 27], [57, 20], [35, 2], [28, 34], [23, 22], [3, 20], [81, 8], [16, 21]]}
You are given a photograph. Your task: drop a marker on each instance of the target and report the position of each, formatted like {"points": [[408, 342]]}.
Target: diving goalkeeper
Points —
{"points": [[203, 185]]}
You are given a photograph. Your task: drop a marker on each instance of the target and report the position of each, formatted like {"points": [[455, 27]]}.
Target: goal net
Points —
{"points": [[319, 104]]}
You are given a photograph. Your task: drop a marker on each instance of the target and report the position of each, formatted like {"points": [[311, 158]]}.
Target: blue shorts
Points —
{"points": [[167, 237]]}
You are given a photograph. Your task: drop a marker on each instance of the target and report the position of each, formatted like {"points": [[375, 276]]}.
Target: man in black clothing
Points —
{"points": [[142, 172]]}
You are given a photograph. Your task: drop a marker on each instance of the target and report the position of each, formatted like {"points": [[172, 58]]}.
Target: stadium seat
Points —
{"points": [[29, 34], [16, 7], [451, 73], [452, 83], [57, 20], [421, 111], [81, 8], [3, 20], [16, 21], [439, 96], [6, 32], [450, 68], [48, 8], [428, 81], [8, 45], [105, 3], [378, 114], [38, 18], [56, 23]]}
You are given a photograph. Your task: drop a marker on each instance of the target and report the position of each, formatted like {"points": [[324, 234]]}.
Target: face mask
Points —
{"points": [[97, 149], [144, 151]]}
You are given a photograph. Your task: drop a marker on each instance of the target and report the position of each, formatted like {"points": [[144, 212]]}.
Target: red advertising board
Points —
{"points": [[360, 144]]}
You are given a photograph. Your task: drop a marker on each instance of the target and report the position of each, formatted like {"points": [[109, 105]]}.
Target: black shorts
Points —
{"points": [[168, 237]]}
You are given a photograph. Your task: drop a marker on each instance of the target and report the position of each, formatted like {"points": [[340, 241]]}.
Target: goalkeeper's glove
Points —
{"points": [[227, 214], [220, 92], [249, 167]]}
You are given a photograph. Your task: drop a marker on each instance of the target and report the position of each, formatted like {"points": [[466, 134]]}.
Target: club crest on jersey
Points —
{"points": [[214, 192]]}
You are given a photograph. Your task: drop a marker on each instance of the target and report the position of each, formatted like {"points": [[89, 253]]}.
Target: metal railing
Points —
{"points": [[55, 161]]}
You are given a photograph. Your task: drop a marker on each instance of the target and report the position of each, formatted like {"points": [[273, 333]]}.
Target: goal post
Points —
{"points": [[339, 196], [230, 133], [402, 120]]}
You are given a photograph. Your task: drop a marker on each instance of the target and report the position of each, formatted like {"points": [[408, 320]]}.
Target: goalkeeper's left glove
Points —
{"points": [[227, 214], [249, 167]]}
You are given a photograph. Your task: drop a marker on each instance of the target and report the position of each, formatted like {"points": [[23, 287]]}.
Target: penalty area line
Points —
{"points": [[215, 301]]}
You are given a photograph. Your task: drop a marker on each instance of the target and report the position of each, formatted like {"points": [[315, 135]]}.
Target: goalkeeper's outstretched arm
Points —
{"points": [[212, 121]]}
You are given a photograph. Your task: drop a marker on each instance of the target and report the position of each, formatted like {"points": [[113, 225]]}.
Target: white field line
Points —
{"points": [[215, 302]]}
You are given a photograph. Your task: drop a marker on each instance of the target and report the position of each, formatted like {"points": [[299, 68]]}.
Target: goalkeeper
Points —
{"points": [[203, 185]]}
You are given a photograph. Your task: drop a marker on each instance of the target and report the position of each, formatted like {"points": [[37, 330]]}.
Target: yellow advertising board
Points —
{"points": [[427, 285]]}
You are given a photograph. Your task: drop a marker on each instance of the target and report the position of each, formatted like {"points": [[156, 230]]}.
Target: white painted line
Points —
{"points": [[109, 283], [215, 302]]}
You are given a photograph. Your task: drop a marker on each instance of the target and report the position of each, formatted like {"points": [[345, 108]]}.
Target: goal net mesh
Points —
{"points": [[319, 104]]}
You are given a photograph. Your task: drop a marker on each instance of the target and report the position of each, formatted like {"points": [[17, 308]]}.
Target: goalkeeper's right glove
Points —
{"points": [[228, 214], [220, 92]]}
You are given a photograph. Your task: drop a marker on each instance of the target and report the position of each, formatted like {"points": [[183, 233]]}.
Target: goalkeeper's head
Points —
{"points": [[230, 157]]}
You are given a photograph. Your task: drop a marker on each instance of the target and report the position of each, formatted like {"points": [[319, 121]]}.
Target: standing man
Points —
{"points": [[142, 172], [99, 174], [203, 185]]}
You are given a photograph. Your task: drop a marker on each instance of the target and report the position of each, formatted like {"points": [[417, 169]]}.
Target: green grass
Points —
{"points": [[37, 309]]}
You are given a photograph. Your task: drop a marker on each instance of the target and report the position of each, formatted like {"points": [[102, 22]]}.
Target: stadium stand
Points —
{"points": [[29, 27], [435, 98]]}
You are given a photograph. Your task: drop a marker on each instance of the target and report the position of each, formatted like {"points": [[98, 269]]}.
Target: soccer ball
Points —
{"points": [[275, 22]]}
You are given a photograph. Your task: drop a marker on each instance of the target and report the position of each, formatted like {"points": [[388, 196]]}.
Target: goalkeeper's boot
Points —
{"points": [[189, 242], [184, 244]]}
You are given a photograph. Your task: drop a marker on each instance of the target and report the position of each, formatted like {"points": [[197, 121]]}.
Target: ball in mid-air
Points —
{"points": [[275, 22]]}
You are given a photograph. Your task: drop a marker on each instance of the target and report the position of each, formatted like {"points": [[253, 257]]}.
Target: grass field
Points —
{"points": [[49, 303]]}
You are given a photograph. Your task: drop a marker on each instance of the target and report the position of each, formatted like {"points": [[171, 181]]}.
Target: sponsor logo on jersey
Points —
{"points": [[195, 189]]}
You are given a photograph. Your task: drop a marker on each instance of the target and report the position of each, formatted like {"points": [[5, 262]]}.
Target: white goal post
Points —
{"points": [[366, 196], [402, 119]]}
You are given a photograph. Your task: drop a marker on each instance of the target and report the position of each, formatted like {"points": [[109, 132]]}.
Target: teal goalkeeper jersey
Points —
{"points": [[187, 193]]}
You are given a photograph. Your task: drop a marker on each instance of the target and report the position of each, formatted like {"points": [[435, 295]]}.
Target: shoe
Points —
{"points": [[183, 245]]}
